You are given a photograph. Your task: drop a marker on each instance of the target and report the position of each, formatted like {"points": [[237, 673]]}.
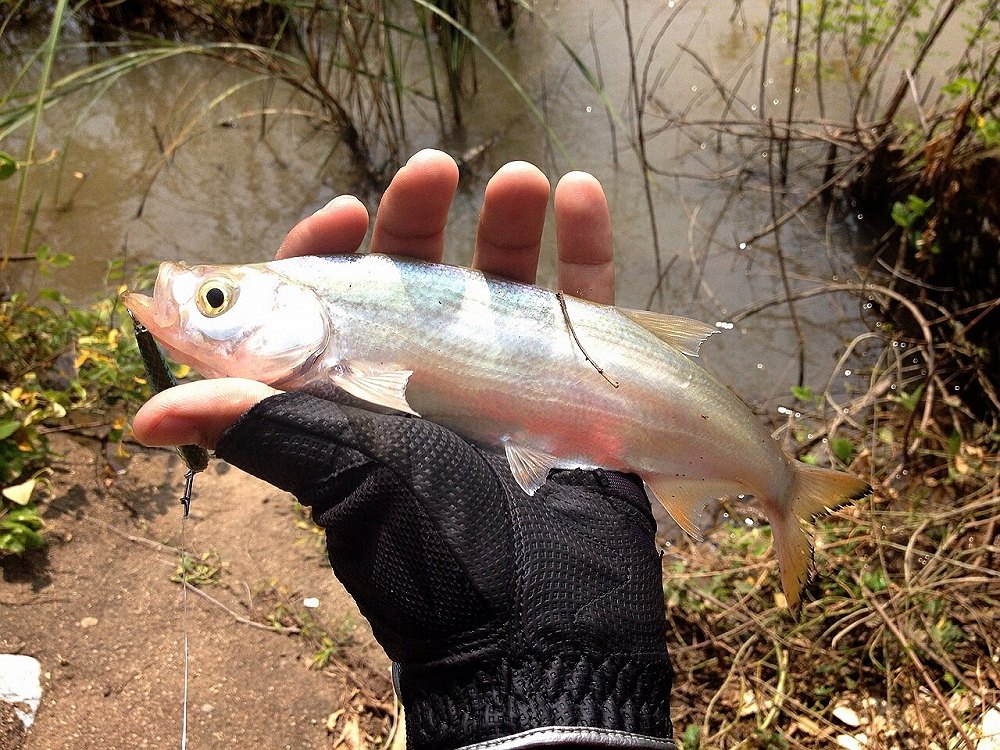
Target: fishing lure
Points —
{"points": [[160, 378]]}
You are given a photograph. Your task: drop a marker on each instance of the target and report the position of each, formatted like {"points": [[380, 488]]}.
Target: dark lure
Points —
{"points": [[160, 378]]}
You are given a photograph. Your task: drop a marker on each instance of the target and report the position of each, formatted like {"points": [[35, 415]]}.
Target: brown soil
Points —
{"points": [[100, 612]]}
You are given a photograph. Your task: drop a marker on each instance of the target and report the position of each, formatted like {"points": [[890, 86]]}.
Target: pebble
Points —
{"points": [[20, 685]]}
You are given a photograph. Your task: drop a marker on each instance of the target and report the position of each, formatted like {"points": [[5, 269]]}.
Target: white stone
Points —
{"points": [[990, 739], [20, 683]]}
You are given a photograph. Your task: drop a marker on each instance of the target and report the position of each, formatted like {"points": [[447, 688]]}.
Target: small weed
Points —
{"points": [[313, 537], [201, 570], [327, 641], [59, 365]]}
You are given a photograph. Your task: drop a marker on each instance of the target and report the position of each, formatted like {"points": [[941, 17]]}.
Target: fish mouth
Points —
{"points": [[159, 312]]}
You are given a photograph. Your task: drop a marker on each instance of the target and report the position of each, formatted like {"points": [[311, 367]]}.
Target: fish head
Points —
{"points": [[238, 321]]}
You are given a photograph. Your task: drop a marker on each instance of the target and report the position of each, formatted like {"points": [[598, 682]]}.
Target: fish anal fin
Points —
{"points": [[684, 499], [530, 467], [682, 333], [385, 386]]}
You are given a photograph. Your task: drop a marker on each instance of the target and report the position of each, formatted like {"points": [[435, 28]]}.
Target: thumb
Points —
{"points": [[196, 413]]}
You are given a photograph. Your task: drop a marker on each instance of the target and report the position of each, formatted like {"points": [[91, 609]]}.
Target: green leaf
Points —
{"points": [[843, 449], [27, 517], [8, 165], [802, 392], [8, 427]]}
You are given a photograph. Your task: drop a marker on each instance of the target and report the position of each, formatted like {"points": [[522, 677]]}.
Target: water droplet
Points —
{"points": [[704, 146], [753, 107], [764, 154], [775, 101], [741, 496], [694, 88], [847, 373], [958, 387], [770, 81], [748, 521], [725, 515], [860, 217], [671, 4], [743, 246], [797, 90], [589, 109], [867, 306], [760, 366], [798, 415]]}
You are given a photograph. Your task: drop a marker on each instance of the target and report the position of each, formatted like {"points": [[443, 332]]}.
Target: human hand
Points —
{"points": [[411, 221], [522, 620]]}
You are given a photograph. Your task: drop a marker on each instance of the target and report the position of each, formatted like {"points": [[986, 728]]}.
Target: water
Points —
{"points": [[152, 172]]}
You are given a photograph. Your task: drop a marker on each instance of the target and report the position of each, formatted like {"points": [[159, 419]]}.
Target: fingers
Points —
{"points": [[196, 413], [583, 237], [339, 227], [413, 211], [510, 226]]}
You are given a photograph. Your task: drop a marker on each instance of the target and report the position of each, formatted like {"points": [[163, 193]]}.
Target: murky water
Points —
{"points": [[234, 181]]}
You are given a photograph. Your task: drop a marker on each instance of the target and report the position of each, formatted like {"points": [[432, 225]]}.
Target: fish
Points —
{"points": [[546, 379]]}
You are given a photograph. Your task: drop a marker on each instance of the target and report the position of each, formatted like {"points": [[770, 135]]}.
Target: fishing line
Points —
{"points": [[186, 502], [160, 377]]}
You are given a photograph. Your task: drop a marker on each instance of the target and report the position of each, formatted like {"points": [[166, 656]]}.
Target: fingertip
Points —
{"points": [[584, 238], [413, 212], [509, 234], [580, 191], [196, 413], [339, 227], [433, 160]]}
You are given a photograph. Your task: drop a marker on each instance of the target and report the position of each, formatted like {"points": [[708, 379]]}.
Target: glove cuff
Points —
{"points": [[581, 736], [620, 700]]}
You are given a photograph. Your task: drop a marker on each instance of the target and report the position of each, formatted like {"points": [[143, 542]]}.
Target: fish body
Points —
{"points": [[550, 380]]}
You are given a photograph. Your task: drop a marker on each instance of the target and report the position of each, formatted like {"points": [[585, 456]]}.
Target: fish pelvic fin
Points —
{"points": [[384, 386], [682, 333], [815, 492], [530, 467], [683, 498]]}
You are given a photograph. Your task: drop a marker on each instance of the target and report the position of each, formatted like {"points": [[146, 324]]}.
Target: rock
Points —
{"points": [[20, 695]]}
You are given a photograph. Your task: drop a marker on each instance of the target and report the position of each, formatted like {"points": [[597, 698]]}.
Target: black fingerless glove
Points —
{"points": [[512, 620]]}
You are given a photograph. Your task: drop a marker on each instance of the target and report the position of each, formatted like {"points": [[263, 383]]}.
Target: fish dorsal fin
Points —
{"points": [[380, 385], [530, 467], [684, 499], [685, 334]]}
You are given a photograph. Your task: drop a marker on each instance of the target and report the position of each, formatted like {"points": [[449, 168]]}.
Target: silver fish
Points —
{"points": [[550, 380]]}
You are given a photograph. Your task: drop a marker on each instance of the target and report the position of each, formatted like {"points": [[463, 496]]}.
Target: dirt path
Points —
{"points": [[99, 610]]}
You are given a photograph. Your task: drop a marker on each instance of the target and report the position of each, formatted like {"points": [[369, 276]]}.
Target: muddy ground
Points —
{"points": [[101, 613]]}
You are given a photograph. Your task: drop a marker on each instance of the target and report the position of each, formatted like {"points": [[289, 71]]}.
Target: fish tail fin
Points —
{"points": [[815, 491]]}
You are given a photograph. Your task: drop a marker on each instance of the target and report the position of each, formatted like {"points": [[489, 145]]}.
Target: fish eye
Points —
{"points": [[215, 297]]}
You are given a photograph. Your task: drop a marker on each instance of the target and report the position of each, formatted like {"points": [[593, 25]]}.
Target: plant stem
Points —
{"points": [[48, 56]]}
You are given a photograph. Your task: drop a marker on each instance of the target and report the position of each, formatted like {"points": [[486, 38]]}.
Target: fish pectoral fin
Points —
{"points": [[684, 499], [377, 385], [683, 333], [530, 467]]}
